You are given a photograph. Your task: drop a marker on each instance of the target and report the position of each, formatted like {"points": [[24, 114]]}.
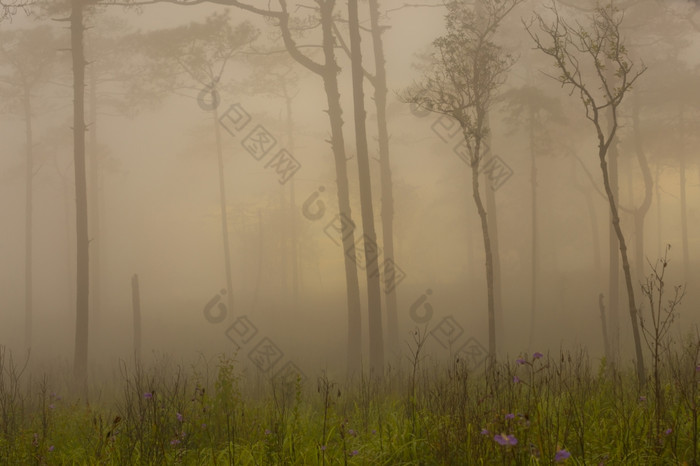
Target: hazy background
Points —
{"points": [[160, 212]]}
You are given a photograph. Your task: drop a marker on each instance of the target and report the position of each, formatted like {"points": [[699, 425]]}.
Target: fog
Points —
{"points": [[153, 183]]}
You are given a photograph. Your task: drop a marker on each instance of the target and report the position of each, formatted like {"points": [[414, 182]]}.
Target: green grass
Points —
{"points": [[213, 415]]}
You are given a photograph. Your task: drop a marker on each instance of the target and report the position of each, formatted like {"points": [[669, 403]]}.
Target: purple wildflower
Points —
{"points": [[354, 452], [174, 441], [485, 432], [323, 448], [148, 395], [642, 398], [537, 355], [179, 417], [352, 432], [668, 431], [505, 440], [520, 361], [561, 456], [510, 416], [51, 448], [52, 406], [268, 431], [516, 379], [374, 431]]}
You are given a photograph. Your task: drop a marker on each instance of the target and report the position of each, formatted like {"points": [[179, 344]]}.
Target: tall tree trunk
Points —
{"points": [[625, 266], [94, 204], [28, 212], [81, 207], [493, 262], [374, 299], [222, 204], [335, 115], [496, 264], [614, 264], [328, 70], [380, 97], [487, 249]]}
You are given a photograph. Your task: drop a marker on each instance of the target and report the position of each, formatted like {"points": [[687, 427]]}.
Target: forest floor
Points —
{"points": [[536, 409]]}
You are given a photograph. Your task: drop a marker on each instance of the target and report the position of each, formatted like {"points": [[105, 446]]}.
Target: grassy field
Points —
{"points": [[536, 409]]}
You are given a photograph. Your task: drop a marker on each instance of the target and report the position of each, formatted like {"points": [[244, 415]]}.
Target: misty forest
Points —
{"points": [[349, 232]]}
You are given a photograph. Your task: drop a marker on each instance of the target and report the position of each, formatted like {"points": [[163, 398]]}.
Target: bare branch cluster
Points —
{"points": [[468, 68], [597, 47], [10, 7]]}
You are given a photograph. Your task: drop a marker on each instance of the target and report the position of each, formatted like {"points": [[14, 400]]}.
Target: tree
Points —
{"points": [[468, 69], [29, 56], [539, 112], [374, 310], [328, 70], [275, 75], [601, 45], [77, 30], [195, 56]]}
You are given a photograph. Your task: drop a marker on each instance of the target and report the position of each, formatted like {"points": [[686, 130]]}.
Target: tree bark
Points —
{"points": [[387, 213], [625, 265], [496, 259], [374, 300], [94, 205], [475, 161], [614, 264], [335, 116], [81, 207], [222, 205]]}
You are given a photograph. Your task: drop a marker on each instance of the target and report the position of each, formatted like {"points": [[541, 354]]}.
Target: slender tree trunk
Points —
{"points": [[476, 194], [28, 212], [329, 72], [625, 266], [374, 308], [335, 115], [380, 97], [496, 259], [493, 263], [222, 205], [94, 205], [614, 265], [81, 207]]}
